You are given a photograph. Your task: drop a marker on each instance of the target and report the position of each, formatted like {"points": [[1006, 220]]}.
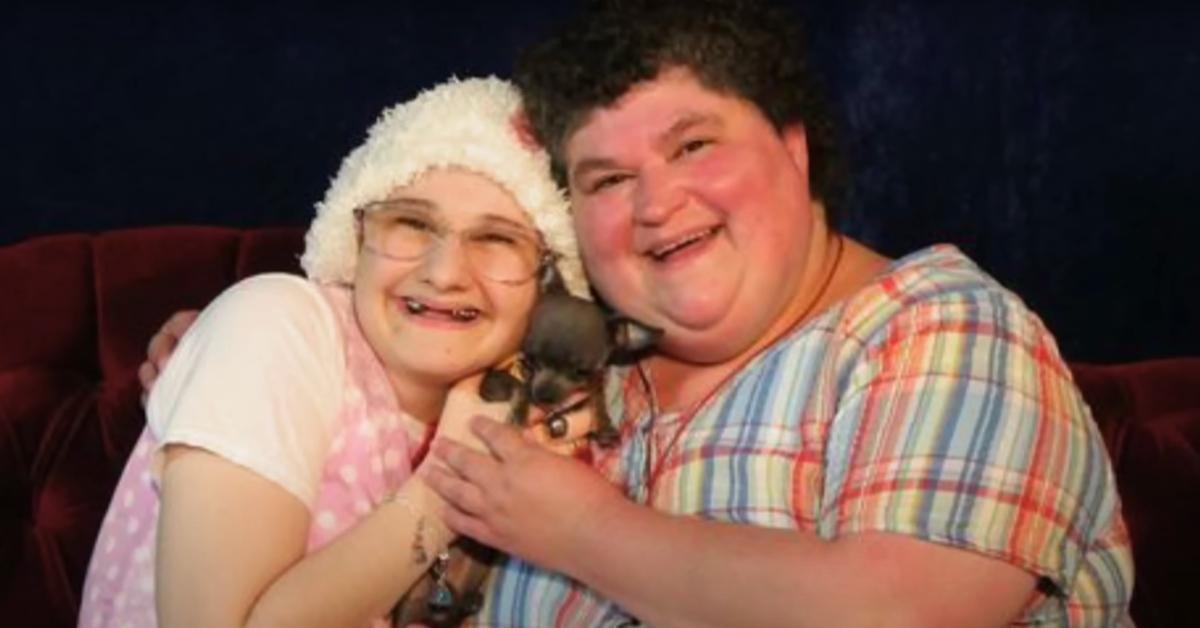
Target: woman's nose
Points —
{"points": [[658, 195], [446, 265]]}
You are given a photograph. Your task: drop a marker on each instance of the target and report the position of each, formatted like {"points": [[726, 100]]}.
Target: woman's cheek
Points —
{"points": [[717, 174], [602, 228]]}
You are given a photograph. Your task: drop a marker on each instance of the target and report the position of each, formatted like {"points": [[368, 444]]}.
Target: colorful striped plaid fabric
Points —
{"points": [[932, 403]]}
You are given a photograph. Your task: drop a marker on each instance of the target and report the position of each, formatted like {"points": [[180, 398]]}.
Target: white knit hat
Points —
{"points": [[471, 124]]}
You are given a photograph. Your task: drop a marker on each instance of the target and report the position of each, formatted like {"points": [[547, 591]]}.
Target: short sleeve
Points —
{"points": [[961, 425], [257, 380]]}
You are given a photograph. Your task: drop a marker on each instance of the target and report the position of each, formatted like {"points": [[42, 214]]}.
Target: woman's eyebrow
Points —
{"points": [[686, 122], [498, 220], [586, 166], [485, 219], [412, 202]]}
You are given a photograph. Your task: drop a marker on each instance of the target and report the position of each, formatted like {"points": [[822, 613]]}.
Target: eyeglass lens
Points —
{"points": [[495, 251]]}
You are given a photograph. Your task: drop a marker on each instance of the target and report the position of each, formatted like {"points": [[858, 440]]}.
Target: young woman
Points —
{"points": [[278, 480]]}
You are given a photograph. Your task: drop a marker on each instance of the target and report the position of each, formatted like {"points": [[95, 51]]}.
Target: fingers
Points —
{"points": [[458, 485], [179, 322], [459, 492], [467, 525], [162, 343], [147, 373], [160, 348], [502, 440], [157, 352], [463, 461]]}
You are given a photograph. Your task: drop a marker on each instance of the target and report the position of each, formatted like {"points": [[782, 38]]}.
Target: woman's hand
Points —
{"points": [[462, 404], [161, 346], [515, 495]]}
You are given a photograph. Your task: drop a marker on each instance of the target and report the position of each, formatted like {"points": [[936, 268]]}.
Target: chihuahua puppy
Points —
{"points": [[566, 348], [569, 343]]}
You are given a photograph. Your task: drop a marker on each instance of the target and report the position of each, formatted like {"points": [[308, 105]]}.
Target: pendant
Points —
{"points": [[441, 599]]}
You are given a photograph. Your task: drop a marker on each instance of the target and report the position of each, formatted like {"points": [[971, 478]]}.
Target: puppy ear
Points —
{"points": [[630, 338], [549, 281]]}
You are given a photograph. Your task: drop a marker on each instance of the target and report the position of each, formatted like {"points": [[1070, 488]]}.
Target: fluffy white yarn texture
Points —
{"points": [[467, 123]]}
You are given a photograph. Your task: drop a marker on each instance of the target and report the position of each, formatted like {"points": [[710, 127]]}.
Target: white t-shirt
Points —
{"points": [[272, 404]]}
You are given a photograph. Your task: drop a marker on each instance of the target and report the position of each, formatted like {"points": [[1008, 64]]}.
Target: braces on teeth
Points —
{"points": [[464, 314]]}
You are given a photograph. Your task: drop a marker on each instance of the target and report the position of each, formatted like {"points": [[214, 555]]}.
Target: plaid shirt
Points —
{"points": [[931, 403]]}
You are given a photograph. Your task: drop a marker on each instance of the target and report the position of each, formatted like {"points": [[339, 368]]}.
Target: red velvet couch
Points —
{"points": [[77, 311]]}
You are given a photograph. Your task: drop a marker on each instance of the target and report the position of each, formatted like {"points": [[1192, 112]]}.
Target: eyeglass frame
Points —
{"points": [[546, 258]]}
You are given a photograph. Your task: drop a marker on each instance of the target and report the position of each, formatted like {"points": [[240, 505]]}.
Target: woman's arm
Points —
{"points": [[232, 543], [684, 571]]}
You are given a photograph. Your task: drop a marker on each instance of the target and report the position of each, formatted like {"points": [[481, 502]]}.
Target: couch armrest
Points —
{"points": [[1149, 415]]}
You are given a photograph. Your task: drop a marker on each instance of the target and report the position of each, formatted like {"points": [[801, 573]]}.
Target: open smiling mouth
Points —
{"points": [[662, 253], [459, 314]]}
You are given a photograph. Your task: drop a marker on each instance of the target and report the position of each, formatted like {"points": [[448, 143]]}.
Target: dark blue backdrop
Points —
{"points": [[1055, 142]]}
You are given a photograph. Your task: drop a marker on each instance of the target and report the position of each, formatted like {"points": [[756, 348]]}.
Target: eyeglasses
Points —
{"points": [[402, 232]]}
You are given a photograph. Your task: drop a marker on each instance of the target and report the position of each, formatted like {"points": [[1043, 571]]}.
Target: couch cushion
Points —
{"points": [[47, 309], [1149, 415]]}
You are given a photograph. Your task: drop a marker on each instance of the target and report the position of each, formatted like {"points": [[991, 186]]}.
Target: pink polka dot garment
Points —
{"points": [[369, 457]]}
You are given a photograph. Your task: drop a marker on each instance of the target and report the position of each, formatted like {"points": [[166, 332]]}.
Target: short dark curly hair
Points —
{"points": [[752, 49]]}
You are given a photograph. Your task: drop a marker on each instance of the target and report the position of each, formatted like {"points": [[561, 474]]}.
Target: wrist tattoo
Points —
{"points": [[420, 555]]}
